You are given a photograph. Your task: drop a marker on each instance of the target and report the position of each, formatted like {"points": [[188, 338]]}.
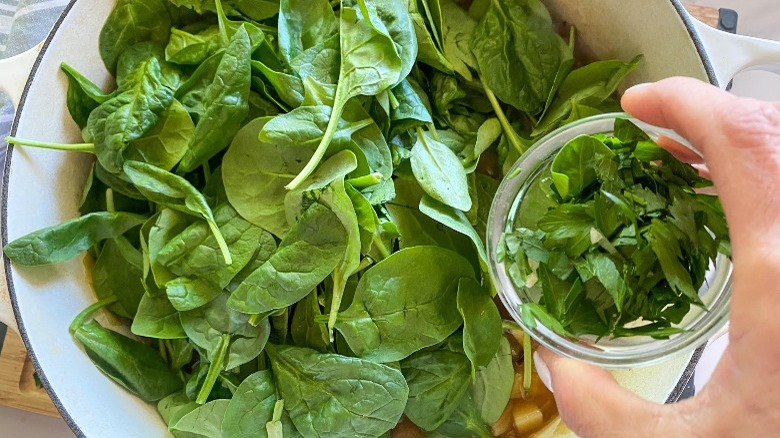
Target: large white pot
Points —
{"points": [[42, 188]]}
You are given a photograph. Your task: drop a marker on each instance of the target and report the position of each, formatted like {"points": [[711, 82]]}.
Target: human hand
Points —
{"points": [[740, 141]]}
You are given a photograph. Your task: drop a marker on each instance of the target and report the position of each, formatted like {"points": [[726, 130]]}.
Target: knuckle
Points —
{"points": [[752, 123]]}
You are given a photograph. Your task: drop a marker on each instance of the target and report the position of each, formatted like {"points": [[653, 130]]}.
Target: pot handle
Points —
{"points": [[14, 72], [731, 54]]}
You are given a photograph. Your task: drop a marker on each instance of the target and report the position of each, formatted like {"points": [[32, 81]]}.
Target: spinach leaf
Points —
{"points": [[192, 49], [439, 172], [465, 422], [156, 318], [370, 28], [404, 303], [574, 167], [518, 53], [493, 384], [190, 293], [137, 54], [455, 220], [117, 273], [206, 326], [251, 407], [255, 174], [482, 331], [135, 366], [175, 192], [437, 380], [203, 421], [130, 22], [428, 51], [64, 241], [167, 142], [458, 29], [319, 392], [307, 255], [667, 248], [167, 224], [307, 329], [227, 104], [129, 115], [304, 24], [413, 107], [83, 96], [589, 85], [326, 185]]}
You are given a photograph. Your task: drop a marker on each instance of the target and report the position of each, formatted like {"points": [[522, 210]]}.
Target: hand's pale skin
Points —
{"points": [[740, 141]]}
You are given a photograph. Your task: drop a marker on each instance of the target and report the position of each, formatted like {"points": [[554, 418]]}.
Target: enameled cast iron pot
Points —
{"points": [[42, 188]]}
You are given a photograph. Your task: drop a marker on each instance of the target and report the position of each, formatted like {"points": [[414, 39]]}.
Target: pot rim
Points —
{"points": [[69, 420]]}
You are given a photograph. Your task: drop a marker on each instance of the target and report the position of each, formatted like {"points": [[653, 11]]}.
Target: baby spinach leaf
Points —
{"points": [[326, 186], [195, 253], [287, 87], [439, 172], [413, 107], [493, 384], [465, 422], [117, 273], [518, 53], [428, 51], [168, 224], [482, 330], [129, 115], [305, 125], [404, 303], [251, 407], [226, 104], [307, 330], [455, 220], [309, 252], [589, 85], [167, 142], [320, 62], [203, 421], [83, 96], [372, 27], [303, 24], [667, 248], [137, 54], [64, 241], [135, 366], [207, 325], [175, 192], [190, 293], [319, 392], [255, 174], [156, 318], [130, 22], [437, 380], [458, 29], [574, 167], [192, 49]]}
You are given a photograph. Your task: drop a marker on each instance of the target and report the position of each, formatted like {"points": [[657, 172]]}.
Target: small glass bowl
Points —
{"points": [[699, 324]]}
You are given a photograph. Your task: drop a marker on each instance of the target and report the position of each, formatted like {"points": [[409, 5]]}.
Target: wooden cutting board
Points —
{"points": [[17, 383]]}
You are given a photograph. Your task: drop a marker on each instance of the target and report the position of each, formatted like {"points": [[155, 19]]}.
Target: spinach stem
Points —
{"points": [[510, 133], [221, 17], [214, 369], [393, 100], [365, 263], [330, 130], [365, 181], [163, 353], [110, 201], [433, 131], [255, 319], [220, 242], [528, 364], [339, 284], [380, 246], [79, 320], [76, 147], [206, 172]]}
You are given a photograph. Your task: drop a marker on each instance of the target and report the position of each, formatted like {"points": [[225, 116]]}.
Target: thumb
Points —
{"points": [[593, 404]]}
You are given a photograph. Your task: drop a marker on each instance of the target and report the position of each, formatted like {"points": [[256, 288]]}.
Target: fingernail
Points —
{"points": [[638, 87], [543, 371]]}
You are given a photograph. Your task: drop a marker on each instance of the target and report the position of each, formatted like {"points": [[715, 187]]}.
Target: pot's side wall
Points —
{"points": [[609, 29]]}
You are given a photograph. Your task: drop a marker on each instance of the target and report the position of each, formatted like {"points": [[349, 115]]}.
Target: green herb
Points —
{"points": [[618, 251]]}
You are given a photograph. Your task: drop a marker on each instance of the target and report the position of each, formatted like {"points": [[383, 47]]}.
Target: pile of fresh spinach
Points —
{"points": [[625, 244], [289, 201]]}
